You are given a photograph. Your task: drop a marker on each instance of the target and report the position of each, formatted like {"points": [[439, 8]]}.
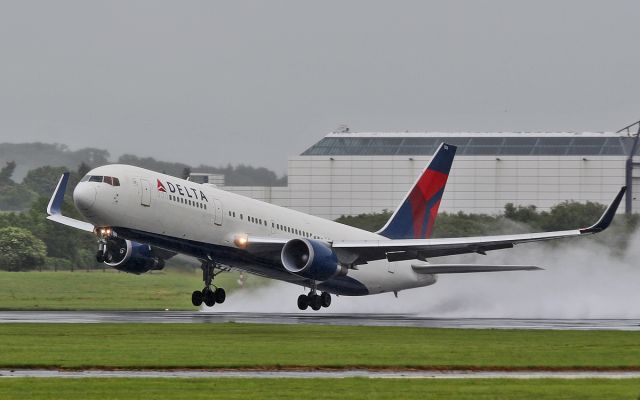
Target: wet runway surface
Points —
{"points": [[35, 373], [313, 318]]}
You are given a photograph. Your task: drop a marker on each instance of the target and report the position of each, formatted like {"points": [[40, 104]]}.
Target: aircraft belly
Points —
{"points": [[372, 278]]}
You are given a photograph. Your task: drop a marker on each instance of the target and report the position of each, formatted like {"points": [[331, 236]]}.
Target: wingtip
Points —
{"points": [[608, 215], [55, 203]]}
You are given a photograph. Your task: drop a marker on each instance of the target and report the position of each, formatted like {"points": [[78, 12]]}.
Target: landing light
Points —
{"points": [[104, 232], [241, 241]]}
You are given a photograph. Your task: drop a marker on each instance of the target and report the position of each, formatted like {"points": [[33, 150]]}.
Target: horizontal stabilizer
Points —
{"points": [[467, 268]]}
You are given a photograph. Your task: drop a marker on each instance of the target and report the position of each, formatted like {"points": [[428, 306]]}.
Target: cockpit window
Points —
{"points": [[106, 179], [85, 178]]}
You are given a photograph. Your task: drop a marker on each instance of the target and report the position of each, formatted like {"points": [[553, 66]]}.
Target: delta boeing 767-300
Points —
{"points": [[142, 218]]}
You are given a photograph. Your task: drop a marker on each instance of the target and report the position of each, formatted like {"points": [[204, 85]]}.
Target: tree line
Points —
{"points": [[29, 156], [27, 239], [515, 219]]}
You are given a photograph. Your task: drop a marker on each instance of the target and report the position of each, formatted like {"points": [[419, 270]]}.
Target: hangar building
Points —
{"points": [[349, 173]]}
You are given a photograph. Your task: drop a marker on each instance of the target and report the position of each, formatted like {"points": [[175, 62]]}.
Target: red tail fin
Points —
{"points": [[415, 216]]}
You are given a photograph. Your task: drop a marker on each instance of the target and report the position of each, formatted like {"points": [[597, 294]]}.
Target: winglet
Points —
{"points": [[54, 208], [606, 218], [55, 204]]}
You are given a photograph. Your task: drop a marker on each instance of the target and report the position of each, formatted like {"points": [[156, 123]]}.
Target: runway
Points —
{"points": [[407, 320], [372, 374]]}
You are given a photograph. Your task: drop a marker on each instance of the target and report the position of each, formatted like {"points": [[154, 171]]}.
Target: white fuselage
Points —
{"points": [[157, 209]]}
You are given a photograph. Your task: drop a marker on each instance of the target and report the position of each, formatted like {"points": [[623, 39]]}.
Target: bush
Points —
{"points": [[20, 250], [516, 219]]}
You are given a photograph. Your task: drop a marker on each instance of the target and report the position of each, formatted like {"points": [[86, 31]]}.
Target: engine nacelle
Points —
{"points": [[311, 259], [136, 258]]}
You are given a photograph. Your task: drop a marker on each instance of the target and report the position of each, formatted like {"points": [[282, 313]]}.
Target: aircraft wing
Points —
{"points": [[406, 249], [354, 252]]}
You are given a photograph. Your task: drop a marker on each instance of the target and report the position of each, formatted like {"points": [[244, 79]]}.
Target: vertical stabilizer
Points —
{"points": [[415, 216]]}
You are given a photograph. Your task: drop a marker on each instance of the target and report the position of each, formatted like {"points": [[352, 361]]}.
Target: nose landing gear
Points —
{"points": [[314, 300], [209, 296]]}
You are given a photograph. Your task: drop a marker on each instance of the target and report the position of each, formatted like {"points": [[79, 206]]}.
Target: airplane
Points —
{"points": [[142, 218]]}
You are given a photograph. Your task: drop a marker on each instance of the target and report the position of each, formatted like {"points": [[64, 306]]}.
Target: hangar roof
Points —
{"points": [[473, 143]]}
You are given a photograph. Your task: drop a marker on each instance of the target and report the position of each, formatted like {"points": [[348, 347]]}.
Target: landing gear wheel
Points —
{"points": [[303, 302], [325, 299], [208, 295], [196, 298], [100, 256], [315, 302], [220, 295], [209, 298]]}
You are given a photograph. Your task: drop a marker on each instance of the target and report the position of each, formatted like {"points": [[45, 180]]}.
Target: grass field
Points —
{"points": [[328, 389], [289, 346], [97, 290]]}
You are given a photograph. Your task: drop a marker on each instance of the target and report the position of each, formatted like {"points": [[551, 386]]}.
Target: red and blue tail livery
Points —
{"points": [[417, 213]]}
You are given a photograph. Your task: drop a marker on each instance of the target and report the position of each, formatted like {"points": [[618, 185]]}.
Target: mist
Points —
{"points": [[583, 278]]}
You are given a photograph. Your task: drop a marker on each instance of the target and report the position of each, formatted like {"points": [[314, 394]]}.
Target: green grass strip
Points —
{"points": [[289, 346], [110, 290], [326, 389]]}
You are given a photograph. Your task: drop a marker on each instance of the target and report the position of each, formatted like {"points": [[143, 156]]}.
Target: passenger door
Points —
{"points": [[217, 212], [145, 193]]}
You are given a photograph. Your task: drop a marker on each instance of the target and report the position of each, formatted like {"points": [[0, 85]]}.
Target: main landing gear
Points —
{"points": [[314, 300], [208, 295], [101, 254]]}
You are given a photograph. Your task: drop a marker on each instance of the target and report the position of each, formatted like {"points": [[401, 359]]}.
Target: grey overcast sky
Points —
{"points": [[253, 82]]}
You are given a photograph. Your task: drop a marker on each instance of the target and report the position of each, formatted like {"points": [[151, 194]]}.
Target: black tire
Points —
{"points": [[303, 302], [315, 302], [196, 298], [220, 295], [209, 297], [325, 299], [100, 257]]}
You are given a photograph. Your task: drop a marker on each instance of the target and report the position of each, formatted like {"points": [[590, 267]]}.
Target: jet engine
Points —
{"points": [[127, 256], [311, 259]]}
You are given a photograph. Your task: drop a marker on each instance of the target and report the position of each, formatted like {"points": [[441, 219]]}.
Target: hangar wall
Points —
{"points": [[340, 175]]}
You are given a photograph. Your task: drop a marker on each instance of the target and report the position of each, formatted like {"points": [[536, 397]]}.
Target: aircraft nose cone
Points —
{"points": [[84, 196]]}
